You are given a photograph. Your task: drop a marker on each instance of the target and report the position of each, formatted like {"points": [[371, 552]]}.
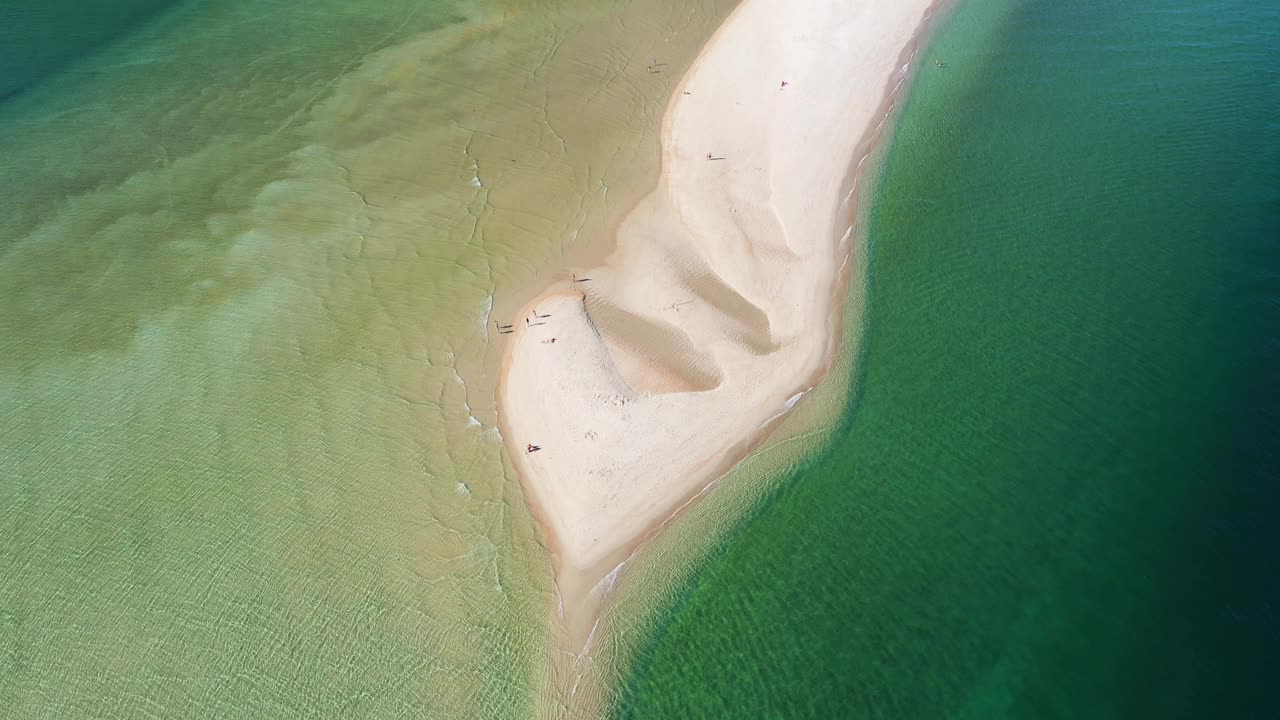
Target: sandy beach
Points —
{"points": [[642, 380]]}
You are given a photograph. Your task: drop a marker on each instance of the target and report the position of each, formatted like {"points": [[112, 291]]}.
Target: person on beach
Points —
{"points": [[532, 448]]}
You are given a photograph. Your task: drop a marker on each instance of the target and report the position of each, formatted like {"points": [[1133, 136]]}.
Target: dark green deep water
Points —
{"points": [[36, 39], [1055, 494]]}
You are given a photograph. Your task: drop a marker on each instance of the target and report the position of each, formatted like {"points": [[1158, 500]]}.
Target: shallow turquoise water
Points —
{"points": [[249, 254], [1055, 493], [238, 477]]}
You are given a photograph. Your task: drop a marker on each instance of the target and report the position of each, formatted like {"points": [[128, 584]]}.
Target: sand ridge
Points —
{"points": [[641, 384]]}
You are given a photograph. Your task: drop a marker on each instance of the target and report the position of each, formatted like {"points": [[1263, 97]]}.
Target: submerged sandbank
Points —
{"points": [[714, 313], [246, 284]]}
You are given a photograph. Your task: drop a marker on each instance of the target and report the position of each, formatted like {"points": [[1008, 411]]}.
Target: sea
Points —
{"points": [[1054, 488], [253, 254]]}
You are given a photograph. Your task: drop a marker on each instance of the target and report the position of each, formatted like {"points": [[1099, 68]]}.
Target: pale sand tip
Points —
{"points": [[712, 317]]}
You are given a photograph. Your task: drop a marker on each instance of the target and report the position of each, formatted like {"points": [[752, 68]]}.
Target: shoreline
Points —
{"points": [[586, 569]]}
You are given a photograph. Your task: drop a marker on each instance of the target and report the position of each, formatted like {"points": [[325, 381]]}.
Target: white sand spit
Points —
{"points": [[646, 382]]}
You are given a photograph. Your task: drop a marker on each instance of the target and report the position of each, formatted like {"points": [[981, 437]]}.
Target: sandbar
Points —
{"points": [[642, 380]]}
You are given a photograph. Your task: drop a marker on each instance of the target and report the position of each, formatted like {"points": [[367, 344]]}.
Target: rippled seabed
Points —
{"points": [[1055, 495], [248, 252]]}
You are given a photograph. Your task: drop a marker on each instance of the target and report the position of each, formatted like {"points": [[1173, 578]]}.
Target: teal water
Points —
{"points": [[1055, 492], [36, 39]]}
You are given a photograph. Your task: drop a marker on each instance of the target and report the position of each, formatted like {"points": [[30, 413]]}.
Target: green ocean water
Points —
{"points": [[1055, 492]]}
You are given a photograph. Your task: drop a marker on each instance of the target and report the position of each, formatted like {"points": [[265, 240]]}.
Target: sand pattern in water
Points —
{"points": [[251, 254]]}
